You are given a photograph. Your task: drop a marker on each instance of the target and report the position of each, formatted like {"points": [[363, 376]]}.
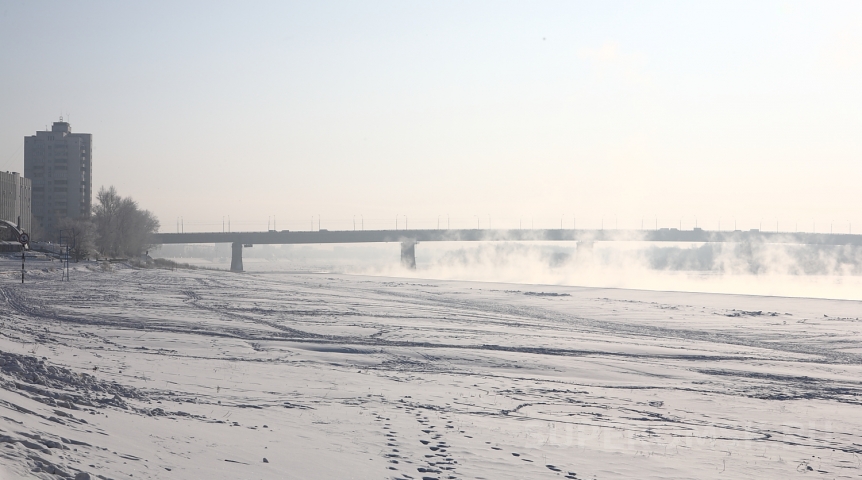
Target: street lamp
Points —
{"points": [[477, 221]]}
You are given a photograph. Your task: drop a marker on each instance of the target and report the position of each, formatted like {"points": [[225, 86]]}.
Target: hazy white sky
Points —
{"points": [[520, 110]]}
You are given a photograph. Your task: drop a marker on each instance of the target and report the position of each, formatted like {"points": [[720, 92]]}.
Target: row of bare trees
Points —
{"points": [[118, 227]]}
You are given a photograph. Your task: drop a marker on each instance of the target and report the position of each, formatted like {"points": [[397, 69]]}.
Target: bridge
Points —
{"points": [[409, 238]]}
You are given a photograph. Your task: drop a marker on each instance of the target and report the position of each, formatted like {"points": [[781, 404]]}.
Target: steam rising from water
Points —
{"points": [[742, 268], [755, 269]]}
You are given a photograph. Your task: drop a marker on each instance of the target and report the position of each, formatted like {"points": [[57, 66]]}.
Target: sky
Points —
{"points": [[500, 114]]}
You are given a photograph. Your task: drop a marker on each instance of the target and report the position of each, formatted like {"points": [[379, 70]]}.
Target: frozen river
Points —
{"points": [[203, 374]]}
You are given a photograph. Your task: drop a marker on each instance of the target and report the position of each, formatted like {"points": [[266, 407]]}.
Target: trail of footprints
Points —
{"points": [[438, 463]]}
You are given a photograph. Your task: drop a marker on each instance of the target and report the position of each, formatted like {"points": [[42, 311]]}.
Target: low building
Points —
{"points": [[9, 239], [15, 198]]}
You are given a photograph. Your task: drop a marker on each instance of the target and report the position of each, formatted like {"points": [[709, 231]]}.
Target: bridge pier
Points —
{"points": [[236, 257], [408, 254]]}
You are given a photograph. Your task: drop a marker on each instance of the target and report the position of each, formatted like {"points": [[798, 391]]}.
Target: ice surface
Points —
{"points": [[201, 374]]}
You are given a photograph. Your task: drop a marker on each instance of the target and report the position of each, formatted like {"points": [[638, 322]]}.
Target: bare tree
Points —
{"points": [[79, 234], [122, 229]]}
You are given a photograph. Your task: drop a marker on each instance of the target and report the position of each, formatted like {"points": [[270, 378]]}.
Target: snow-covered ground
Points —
{"points": [[128, 373]]}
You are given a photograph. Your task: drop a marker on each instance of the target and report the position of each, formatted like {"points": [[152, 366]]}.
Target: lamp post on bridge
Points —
{"points": [[477, 221]]}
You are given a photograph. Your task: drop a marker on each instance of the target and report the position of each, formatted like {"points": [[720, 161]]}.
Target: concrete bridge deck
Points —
{"points": [[409, 238]]}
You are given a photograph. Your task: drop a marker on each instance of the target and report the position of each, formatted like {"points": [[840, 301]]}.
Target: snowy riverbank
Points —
{"points": [[204, 374]]}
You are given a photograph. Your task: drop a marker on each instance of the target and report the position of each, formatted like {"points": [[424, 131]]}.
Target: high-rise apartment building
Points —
{"points": [[15, 199], [59, 164]]}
